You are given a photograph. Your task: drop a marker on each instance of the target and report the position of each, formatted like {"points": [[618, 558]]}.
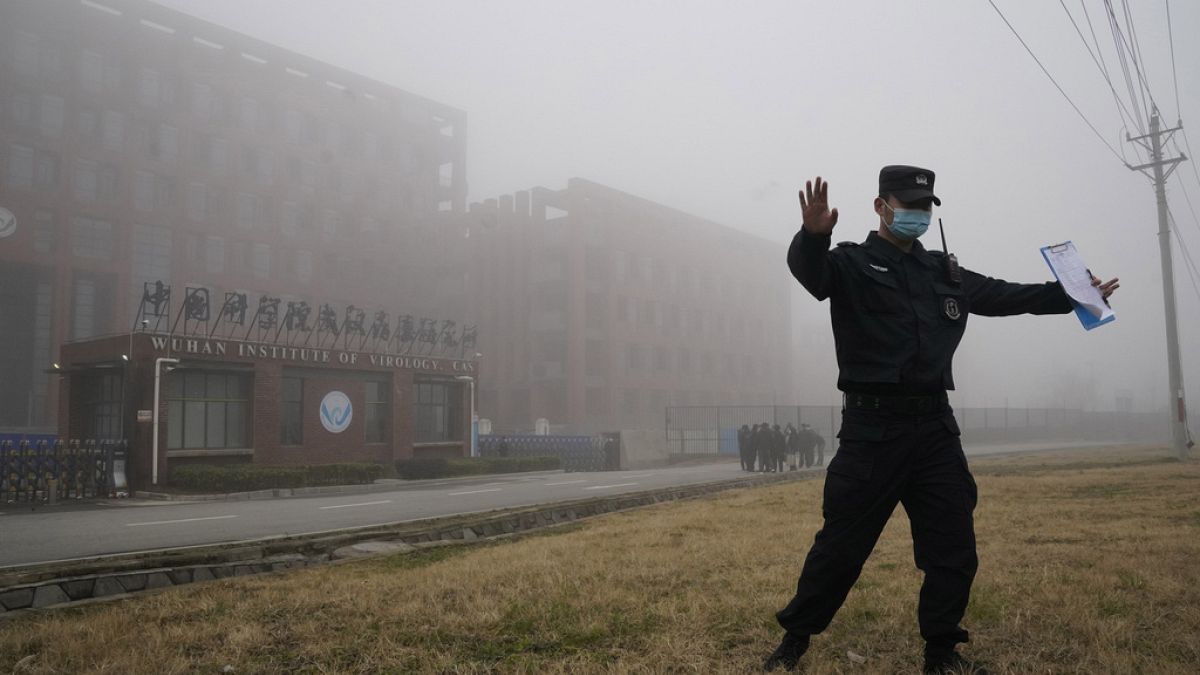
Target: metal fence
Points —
{"points": [[31, 471], [709, 430], [575, 453]]}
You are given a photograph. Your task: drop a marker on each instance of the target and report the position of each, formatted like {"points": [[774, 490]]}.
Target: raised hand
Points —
{"points": [[814, 204]]}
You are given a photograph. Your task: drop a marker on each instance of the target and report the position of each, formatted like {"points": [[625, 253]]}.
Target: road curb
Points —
{"points": [[283, 493], [36, 588]]}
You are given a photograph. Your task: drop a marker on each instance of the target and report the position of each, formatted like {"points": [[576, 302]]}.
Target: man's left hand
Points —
{"points": [[1106, 289]]}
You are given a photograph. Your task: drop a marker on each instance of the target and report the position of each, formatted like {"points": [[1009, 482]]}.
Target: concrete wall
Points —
{"points": [[641, 449]]}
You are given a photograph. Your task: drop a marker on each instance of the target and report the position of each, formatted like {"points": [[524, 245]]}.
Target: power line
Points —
{"points": [[1186, 198], [1123, 111], [1189, 264], [1138, 62], [1118, 40], [1174, 75], [1056, 85]]}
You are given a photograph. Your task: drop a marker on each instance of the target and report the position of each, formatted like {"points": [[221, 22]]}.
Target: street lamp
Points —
{"points": [[474, 418]]}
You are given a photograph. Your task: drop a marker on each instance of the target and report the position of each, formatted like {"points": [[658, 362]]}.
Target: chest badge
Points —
{"points": [[951, 309], [878, 268]]}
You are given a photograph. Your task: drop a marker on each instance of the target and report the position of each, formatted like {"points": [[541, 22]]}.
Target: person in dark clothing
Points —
{"points": [[807, 441], [792, 441], [762, 447], [898, 312], [820, 443], [502, 448], [778, 448], [744, 452]]}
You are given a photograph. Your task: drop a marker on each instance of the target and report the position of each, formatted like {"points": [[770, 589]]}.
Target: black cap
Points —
{"points": [[908, 183]]}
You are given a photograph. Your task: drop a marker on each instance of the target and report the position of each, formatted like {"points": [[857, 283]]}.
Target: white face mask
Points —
{"points": [[908, 224]]}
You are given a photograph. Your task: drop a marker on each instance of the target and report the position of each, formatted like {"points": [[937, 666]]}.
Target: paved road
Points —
{"points": [[77, 531], [47, 534]]}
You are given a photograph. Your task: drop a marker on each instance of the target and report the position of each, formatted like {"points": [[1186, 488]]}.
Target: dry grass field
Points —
{"points": [[1089, 563]]}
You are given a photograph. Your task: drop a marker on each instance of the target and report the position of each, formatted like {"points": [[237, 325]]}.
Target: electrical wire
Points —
{"points": [[1056, 85], [1189, 265], [1118, 41], [1136, 52], [1174, 75], [1122, 110]]}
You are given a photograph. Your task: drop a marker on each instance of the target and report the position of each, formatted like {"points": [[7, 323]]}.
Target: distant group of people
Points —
{"points": [[767, 448]]}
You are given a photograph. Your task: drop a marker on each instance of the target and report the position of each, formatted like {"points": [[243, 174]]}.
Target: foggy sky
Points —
{"points": [[723, 109]]}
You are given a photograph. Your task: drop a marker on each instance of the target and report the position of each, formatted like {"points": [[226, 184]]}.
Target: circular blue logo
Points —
{"points": [[336, 412]]}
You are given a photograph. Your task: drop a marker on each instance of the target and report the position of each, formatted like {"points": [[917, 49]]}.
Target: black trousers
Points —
{"points": [[886, 459]]}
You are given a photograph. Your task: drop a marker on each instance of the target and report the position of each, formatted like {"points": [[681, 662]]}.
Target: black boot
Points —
{"points": [[952, 663], [787, 654]]}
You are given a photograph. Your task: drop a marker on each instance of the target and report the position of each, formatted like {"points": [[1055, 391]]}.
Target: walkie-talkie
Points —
{"points": [[949, 261]]}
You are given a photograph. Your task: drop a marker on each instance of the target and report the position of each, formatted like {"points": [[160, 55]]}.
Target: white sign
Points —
{"points": [[145, 415], [336, 412], [8, 223]]}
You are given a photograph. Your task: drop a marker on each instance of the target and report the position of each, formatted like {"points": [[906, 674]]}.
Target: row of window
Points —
{"points": [[29, 168], [155, 89], [667, 318], [211, 410]]}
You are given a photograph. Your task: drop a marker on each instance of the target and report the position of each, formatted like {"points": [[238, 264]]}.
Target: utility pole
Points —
{"points": [[1153, 142]]}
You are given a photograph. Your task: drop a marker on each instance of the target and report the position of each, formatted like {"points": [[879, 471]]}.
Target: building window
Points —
{"points": [[20, 168], [91, 70], [291, 414], [148, 87], [83, 310], [53, 115], [101, 399], [85, 186], [202, 100], [248, 210], [262, 261], [438, 411], [91, 238], [304, 266], [214, 255], [112, 131], [44, 232], [634, 360], [377, 411], [207, 409], [165, 144], [197, 202], [46, 175]]}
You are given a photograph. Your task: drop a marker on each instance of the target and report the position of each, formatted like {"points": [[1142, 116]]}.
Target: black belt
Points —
{"points": [[904, 405]]}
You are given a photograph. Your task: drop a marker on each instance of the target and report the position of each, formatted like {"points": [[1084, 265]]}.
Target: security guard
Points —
{"points": [[898, 313]]}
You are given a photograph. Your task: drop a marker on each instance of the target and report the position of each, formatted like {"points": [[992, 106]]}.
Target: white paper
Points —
{"points": [[1076, 279]]}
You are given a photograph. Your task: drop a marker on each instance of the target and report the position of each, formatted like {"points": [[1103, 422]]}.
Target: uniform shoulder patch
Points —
{"points": [[847, 243]]}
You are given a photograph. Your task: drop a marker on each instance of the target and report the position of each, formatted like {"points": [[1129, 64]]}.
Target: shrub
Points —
{"points": [[244, 477], [442, 467]]}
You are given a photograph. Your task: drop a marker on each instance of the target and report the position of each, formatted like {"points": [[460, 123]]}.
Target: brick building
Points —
{"points": [[601, 308], [139, 144], [229, 400]]}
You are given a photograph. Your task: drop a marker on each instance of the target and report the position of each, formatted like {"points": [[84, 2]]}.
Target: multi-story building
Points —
{"points": [[601, 309], [139, 144]]}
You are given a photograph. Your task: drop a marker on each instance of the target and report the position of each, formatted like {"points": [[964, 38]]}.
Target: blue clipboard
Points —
{"points": [[1086, 318]]}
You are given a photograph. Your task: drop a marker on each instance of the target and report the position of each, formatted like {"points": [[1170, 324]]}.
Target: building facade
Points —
{"points": [[139, 144], [602, 309], [225, 400]]}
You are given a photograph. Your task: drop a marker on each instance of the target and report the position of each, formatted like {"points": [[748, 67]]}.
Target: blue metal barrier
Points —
{"points": [[80, 469], [575, 453]]}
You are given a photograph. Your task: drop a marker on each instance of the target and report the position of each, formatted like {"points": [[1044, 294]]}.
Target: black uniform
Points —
{"points": [[744, 450], [897, 319]]}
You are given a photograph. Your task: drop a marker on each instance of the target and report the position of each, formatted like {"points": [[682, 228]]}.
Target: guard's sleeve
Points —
{"points": [[996, 297], [809, 260]]}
